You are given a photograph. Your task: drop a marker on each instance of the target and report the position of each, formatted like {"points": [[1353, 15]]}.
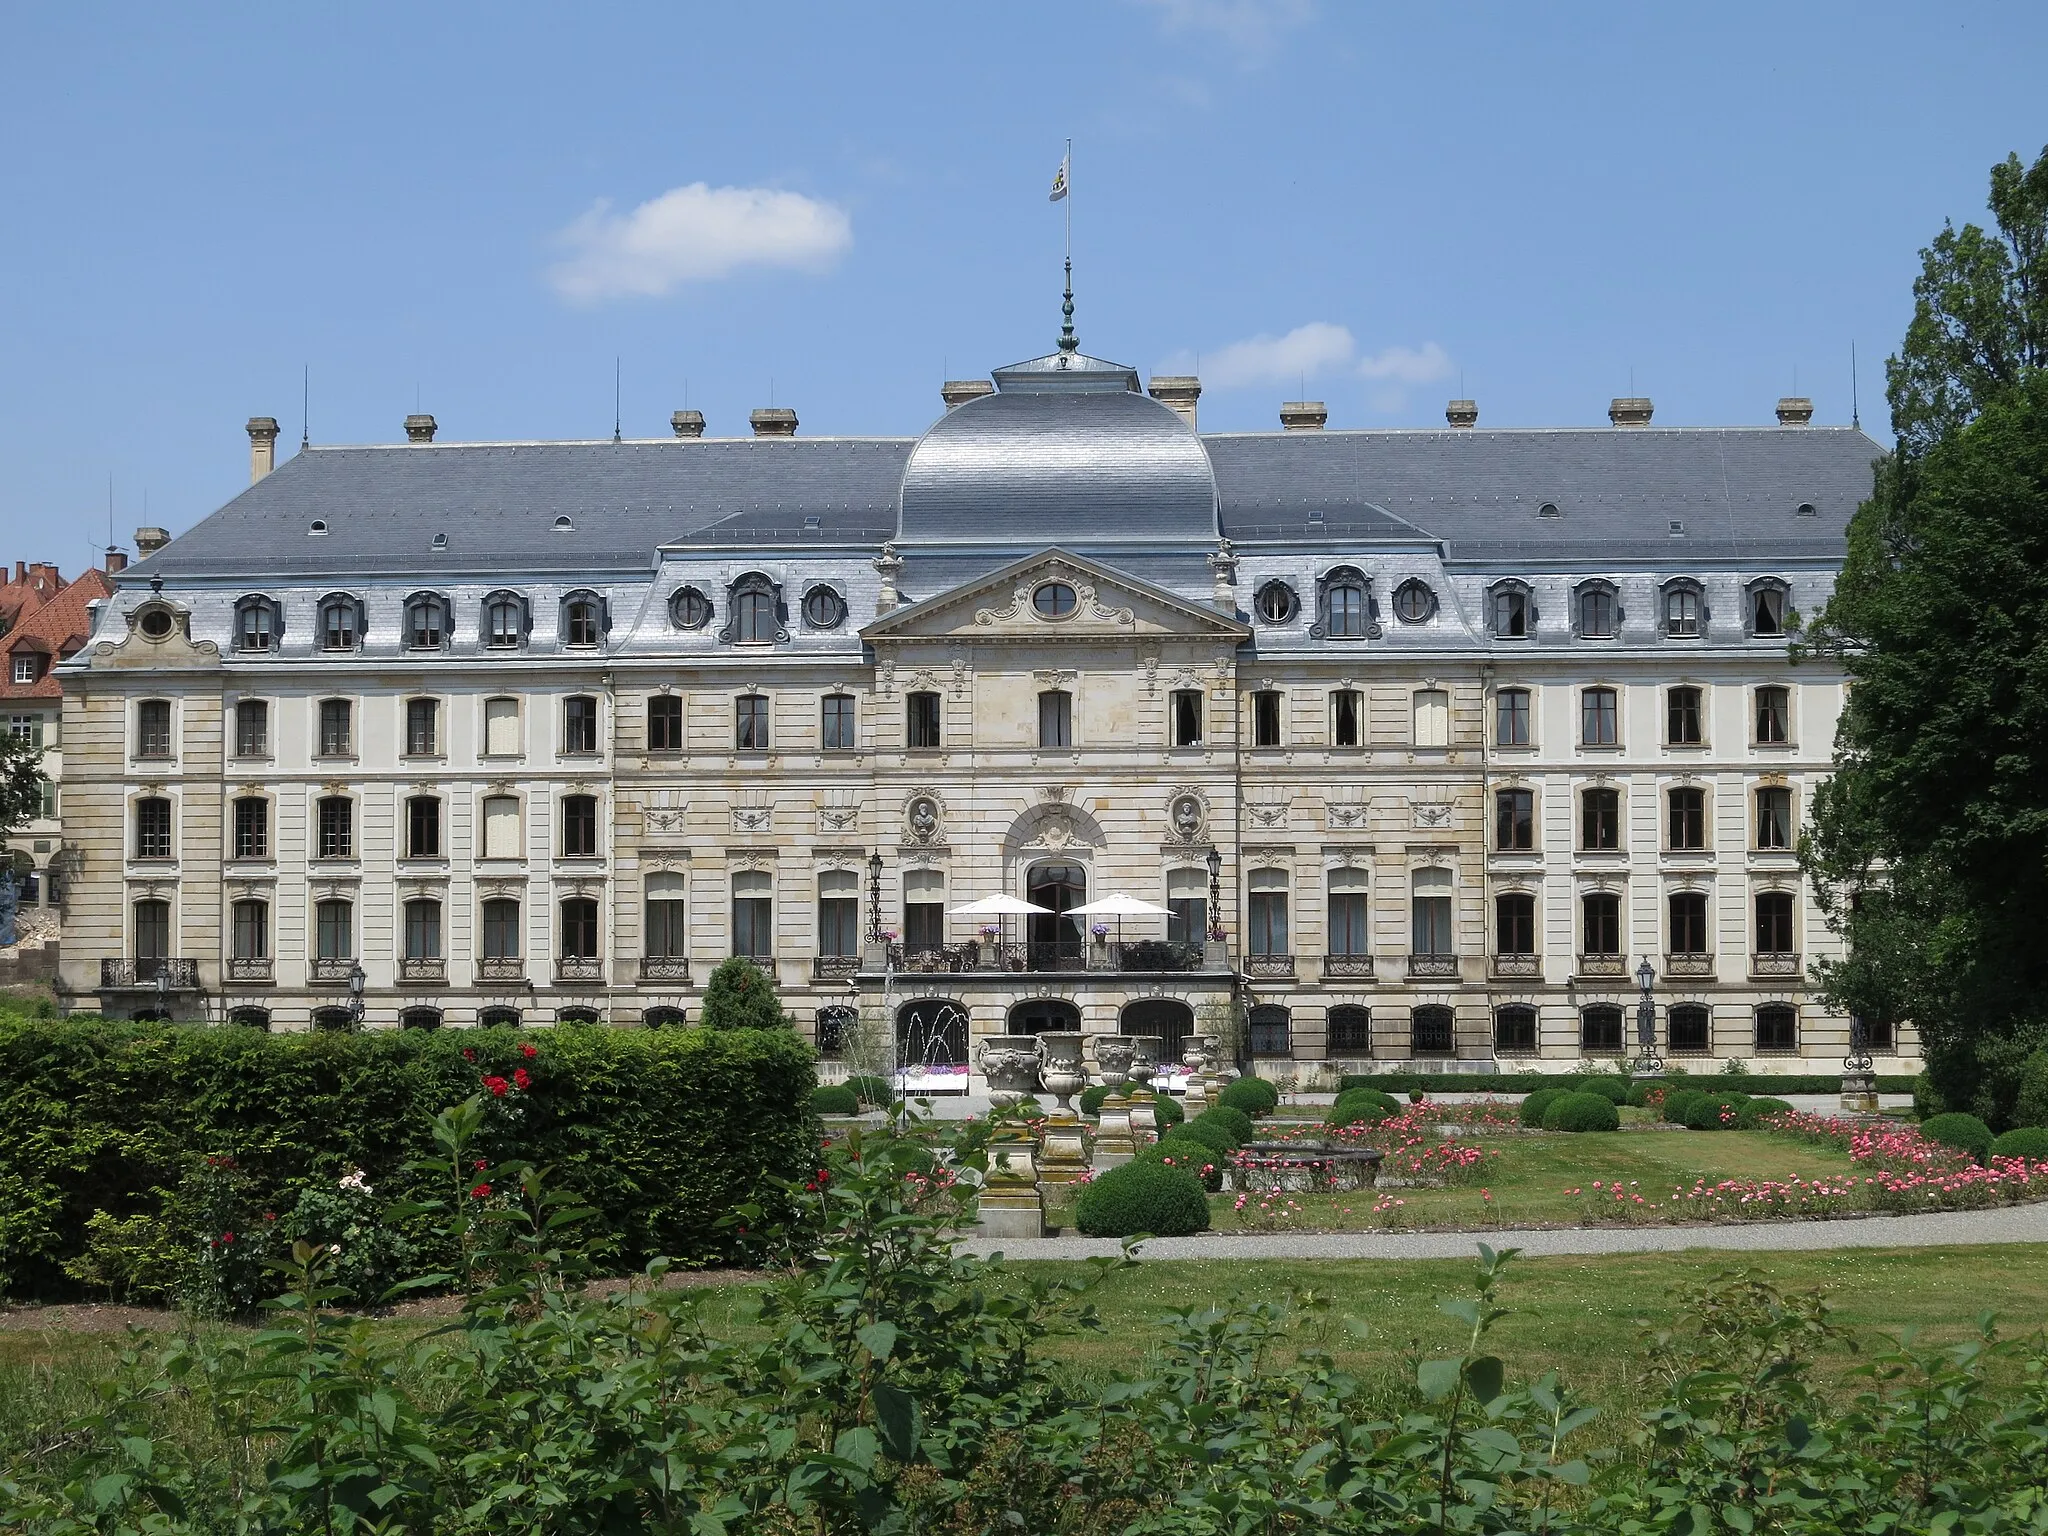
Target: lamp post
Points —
{"points": [[875, 898], [1215, 863], [356, 981], [163, 990], [1648, 1062]]}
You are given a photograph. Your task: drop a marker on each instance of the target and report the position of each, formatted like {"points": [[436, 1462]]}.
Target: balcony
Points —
{"points": [[1342, 967], [1140, 955], [1269, 965], [831, 967], [1603, 965], [1522, 967], [501, 968], [1432, 967], [1689, 965], [578, 968], [665, 968], [1778, 963], [240, 968], [422, 968], [333, 968], [1156, 955], [180, 975]]}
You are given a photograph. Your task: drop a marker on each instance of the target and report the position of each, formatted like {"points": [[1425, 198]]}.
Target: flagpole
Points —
{"points": [[1069, 201]]}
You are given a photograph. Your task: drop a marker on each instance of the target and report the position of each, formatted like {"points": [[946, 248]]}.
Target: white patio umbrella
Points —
{"points": [[1119, 906], [1000, 907]]}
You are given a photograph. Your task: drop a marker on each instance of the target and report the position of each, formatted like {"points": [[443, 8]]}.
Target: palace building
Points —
{"points": [[1428, 743]]}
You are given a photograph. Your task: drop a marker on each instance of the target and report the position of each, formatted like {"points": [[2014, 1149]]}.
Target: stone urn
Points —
{"points": [[1063, 1072], [1114, 1055], [1145, 1059], [1144, 1064], [1010, 1063]]}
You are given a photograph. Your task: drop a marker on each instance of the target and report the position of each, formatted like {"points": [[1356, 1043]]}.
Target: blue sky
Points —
{"points": [[476, 209]]}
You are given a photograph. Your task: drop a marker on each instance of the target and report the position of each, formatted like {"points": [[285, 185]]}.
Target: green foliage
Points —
{"points": [[662, 1131], [21, 782], [2028, 1141], [1181, 1150], [1236, 1121], [1092, 1097], [1145, 1196], [1678, 1103], [1648, 1093], [2030, 1103], [1582, 1112], [740, 995], [1167, 1110], [1508, 1084], [1710, 1111], [366, 1255], [1536, 1105], [872, 1091], [1361, 1106], [1755, 1111], [134, 1258], [1213, 1134], [1613, 1089], [1966, 1133], [834, 1099], [1254, 1095]]}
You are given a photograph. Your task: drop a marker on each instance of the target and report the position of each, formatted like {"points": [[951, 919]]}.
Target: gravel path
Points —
{"points": [[2013, 1224]]}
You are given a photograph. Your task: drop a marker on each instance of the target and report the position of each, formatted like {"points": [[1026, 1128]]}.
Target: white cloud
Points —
{"points": [[1307, 349], [695, 234], [1407, 365], [1254, 24]]}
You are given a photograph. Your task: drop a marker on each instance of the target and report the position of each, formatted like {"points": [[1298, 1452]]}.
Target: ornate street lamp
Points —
{"points": [[163, 990], [875, 898], [1859, 1046], [356, 982], [1648, 1061], [1215, 862]]}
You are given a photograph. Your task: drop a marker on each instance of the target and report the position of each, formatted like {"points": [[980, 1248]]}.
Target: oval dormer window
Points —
{"points": [[155, 623], [1053, 600]]}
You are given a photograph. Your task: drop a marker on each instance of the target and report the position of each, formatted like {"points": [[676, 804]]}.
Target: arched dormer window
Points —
{"points": [[1344, 606], [341, 622], [505, 621], [586, 618], [1767, 607], [1596, 611], [1684, 615], [259, 623], [426, 621], [755, 614], [1512, 610]]}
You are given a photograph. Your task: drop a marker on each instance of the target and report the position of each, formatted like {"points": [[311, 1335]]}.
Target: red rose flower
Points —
{"points": [[468, 1054], [497, 1085], [521, 1079], [529, 1051], [481, 1192], [480, 1165], [227, 1237]]}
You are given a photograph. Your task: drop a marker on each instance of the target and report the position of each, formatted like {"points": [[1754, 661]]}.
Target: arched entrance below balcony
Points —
{"points": [[1045, 1015], [931, 1032], [1171, 1021]]}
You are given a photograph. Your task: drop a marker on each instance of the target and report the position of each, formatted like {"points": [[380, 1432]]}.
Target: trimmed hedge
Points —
{"points": [[1509, 1083], [874, 1092], [2028, 1141], [1254, 1095], [1582, 1112], [1362, 1105], [1143, 1195], [662, 1132], [1712, 1111], [1168, 1110], [1213, 1134], [1186, 1152], [1966, 1133], [1613, 1089], [1537, 1105], [835, 1099], [1756, 1111], [1239, 1123]]}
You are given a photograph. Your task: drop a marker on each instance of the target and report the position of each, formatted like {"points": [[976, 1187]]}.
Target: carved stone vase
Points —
{"points": [[1144, 1066], [1198, 1055], [1063, 1148], [1062, 1071], [1114, 1055], [1010, 1063]]}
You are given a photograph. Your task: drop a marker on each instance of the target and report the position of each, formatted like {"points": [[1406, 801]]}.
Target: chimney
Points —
{"points": [[1304, 415], [1629, 410], [117, 560], [687, 423], [1462, 413], [262, 446], [149, 540], [419, 429], [960, 391], [21, 570], [1178, 392], [1794, 411], [773, 421]]}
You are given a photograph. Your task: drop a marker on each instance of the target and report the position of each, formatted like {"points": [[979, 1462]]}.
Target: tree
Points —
{"points": [[1928, 849], [739, 995], [21, 782]]}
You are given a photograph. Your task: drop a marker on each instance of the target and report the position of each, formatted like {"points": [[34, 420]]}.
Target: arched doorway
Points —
{"points": [[1171, 1021], [931, 1032], [1056, 938], [1045, 1015]]}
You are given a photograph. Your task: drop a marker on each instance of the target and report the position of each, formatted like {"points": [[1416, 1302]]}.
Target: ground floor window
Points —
{"points": [[1269, 1031], [1691, 1030], [1350, 1031], [1777, 1029], [1433, 1031], [420, 1018], [1514, 1028], [1600, 1030]]}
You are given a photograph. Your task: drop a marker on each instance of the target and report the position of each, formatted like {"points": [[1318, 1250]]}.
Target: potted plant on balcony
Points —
{"points": [[1216, 954]]}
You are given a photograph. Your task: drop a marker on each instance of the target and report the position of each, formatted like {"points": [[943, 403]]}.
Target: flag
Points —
{"points": [[1059, 183]]}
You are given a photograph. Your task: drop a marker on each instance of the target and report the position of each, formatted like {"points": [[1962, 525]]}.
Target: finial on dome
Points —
{"points": [[1069, 342]]}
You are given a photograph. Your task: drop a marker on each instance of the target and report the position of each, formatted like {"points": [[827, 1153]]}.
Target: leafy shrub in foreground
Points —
{"points": [[835, 1099], [1213, 1134], [2028, 1141], [1755, 1112], [1236, 1121], [1966, 1133], [1537, 1105], [1712, 1111], [1167, 1110], [1254, 1095], [1582, 1112], [1613, 1089], [1143, 1196], [1182, 1151], [1678, 1103], [2031, 1105], [1092, 1097]]}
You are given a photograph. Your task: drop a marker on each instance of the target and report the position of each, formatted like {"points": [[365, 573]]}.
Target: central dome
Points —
{"points": [[1067, 451]]}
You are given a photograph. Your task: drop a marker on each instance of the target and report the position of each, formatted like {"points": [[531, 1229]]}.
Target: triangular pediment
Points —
{"points": [[1107, 604]]}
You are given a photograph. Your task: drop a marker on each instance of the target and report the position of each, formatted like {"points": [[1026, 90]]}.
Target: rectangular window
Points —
{"points": [[501, 727], [252, 930], [1186, 706], [1682, 717], [252, 728], [422, 727], [1430, 914], [1346, 718], [28, 728], [335, 735], [423, 930], [1055, 718], [1266, 719], [1688, 923], [1602, 923], [25, 669], [1187, 904], [1777, 1029], [1511, 615], [1432, 718], [1599, 717], [337, 828], [924, 910], [252, 827], [152, 829], [49, 813], [838, 913], [1774, 818], [423, 827], [1514, 922], [579, 724], [501, 930], [1269, 912], [1774, 923], [1773, 716], [667, 937], [501, 827], [1600, 820], [152, 930], [334, 930], [1511, 717], [664, 724], [579, 929], [1687, 822], [1347, 925], [153, 728], [579, 826], [750, 723], [921, 722], [1268, 1032], [753, 926], [1514, 820], [837, 722]]}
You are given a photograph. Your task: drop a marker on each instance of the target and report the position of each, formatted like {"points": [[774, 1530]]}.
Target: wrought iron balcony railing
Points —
{"points": [[501, 968], [1603, 965], [181, 975], [827, 967], [1774, 963], [1269, 965], [333, 967], [1336, 967], [665, 968], [248, 968], [422, 968], [1530, 966], [1688, 965], [1432, 967], [578, 968]]}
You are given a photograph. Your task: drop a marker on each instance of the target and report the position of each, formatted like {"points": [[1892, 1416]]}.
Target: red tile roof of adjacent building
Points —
{"points": [[42, 615]]}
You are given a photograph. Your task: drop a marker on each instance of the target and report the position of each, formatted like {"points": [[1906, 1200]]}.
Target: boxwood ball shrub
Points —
{"points": [[1236, 1120], [1091, 1098], [835, 1099], [1168, 1110], [873, 1092], [1648, 1093], [1254, 1095], [1966, 1133], [1756, 1111], [1184, 1151], [1537, 1105], [1361, 1106], [1582, 1112], [1677, 1102], [2028, 1141], [1713, 1111], [1612, 1089], [1143, 1195], [1213, 1134]]}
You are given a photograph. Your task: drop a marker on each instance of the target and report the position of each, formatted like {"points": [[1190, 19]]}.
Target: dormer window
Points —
{"points": [[1052, 600], [1275, 603], [27, 668], [1413, 602], [1513, 613], [426, 621], [504, 621], [1599, 611], [341, 622], [1768, 607], [1344, 603], [258, 624], [582, 619], [1685, 611], [824, 608], [754, 612], [689, 608]]}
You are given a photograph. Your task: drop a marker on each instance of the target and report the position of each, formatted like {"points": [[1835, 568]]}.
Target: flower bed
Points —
{"points": [[1415, 1150]]}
